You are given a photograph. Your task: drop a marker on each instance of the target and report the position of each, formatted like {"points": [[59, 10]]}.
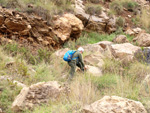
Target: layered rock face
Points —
{"points": [[115, 104], [34, 30], [101, 23], [36, 95]]}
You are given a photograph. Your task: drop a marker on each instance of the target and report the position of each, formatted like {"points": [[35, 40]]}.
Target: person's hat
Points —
{"points": [[80, 49]]}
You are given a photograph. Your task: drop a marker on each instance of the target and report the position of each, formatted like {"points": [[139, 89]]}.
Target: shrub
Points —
{"points": [[120, 22], [130, 5], [93, 9], [7, 95], [117, 7]]}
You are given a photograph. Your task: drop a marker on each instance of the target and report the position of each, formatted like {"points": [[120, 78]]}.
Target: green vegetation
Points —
{"points": [[89, 38], [93, 9], [120, 22], [44, 8], [30, 67], [32, 58], [117, 6], [118, 78], [8, 92]]}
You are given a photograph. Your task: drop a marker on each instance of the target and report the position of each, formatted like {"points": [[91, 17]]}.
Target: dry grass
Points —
{"points": [[83, 90], [145, 18]]}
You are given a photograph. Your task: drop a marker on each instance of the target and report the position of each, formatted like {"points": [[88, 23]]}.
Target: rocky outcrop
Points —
{"points": [[124, 52], [35, 31], [67, 26], [115, 104], [36, 95], [143, 39], [101, 23]]}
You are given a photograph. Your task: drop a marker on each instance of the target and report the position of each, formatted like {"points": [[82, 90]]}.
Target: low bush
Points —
{"points": [[116, 7], [93, 9]]}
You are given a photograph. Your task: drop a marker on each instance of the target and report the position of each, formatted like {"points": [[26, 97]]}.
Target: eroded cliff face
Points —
{"points": [[33, 30]]}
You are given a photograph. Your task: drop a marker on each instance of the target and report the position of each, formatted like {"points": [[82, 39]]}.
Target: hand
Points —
{"points": [[85, 68]]}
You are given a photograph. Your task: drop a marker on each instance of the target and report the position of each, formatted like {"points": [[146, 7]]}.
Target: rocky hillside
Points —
{"points": [[34, 36]]}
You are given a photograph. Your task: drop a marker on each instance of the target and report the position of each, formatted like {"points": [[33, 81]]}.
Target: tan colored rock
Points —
{"points": [[124, 52], [104, 44], [62, 28], [93, 48], [66, 26], [137, 30], [36, 95], [95, 71], [143, 39], [76, 24], [145, 89], [94, 59], [120, 39], [130, 32], [115, 104]]}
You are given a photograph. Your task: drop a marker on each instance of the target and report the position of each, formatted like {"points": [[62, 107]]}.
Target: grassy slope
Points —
{"points": [[118, 79], [121, 80]]}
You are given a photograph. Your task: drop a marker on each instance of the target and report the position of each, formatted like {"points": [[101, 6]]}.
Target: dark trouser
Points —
{"points": [[73, 65]]}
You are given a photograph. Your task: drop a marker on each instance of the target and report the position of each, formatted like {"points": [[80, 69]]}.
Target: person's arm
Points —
{"points": [[81, 61]]}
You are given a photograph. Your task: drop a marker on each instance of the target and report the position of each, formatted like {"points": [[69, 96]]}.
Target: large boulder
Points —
{"points": [[66, 26], [115, 104], [143, 39], [124, 52], [36, 95]]}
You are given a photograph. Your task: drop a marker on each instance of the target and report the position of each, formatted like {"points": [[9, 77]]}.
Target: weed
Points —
{"points": [[44, 54], [117, 7], [7, 94], [130, 5], [120, 22], [93, 9], [107, 81]]}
